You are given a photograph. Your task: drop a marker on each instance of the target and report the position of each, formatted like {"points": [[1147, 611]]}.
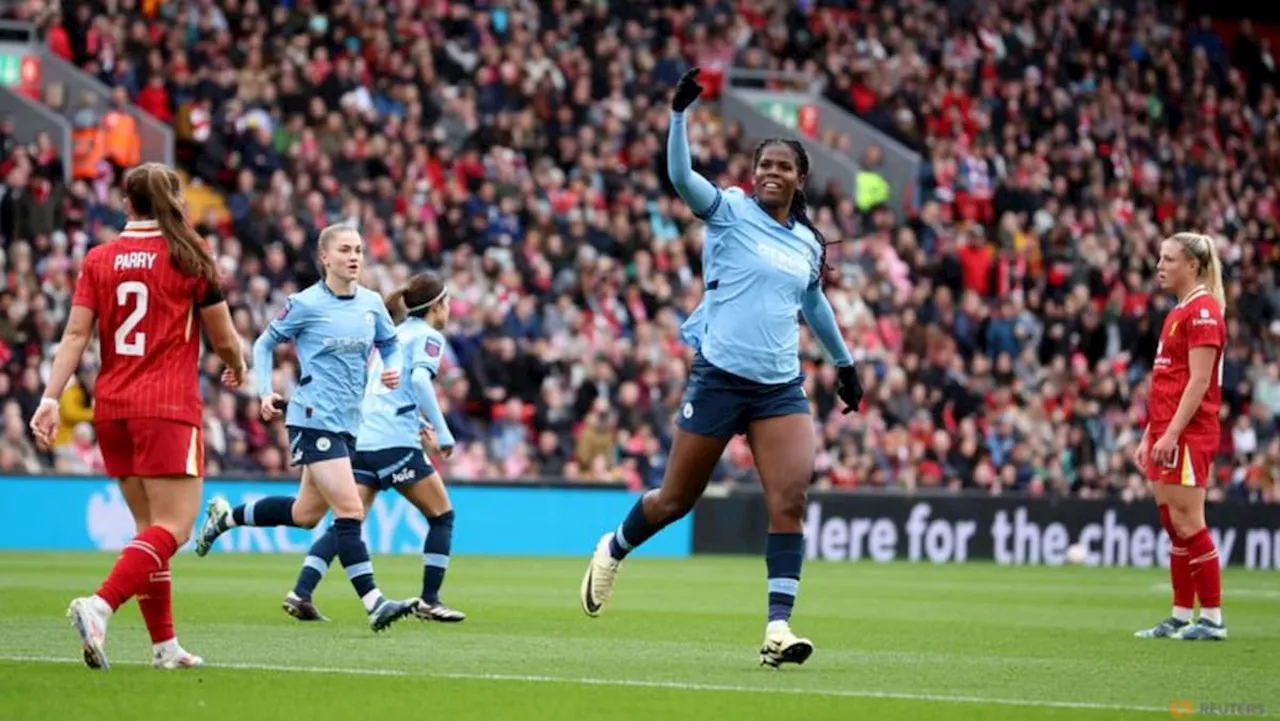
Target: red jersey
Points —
{"points": [[1196, 322], [148, 331]]}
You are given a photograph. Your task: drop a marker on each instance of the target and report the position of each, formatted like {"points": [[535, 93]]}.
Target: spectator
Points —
{"points": [[1009, 310], [120, 133], [76, 405], [88, 143]]}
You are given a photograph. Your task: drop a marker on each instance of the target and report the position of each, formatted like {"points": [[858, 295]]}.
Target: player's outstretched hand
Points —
{"points": [[849, 387], [687, 91], [235, 377], [391, 378], [271, 406], [44, 424]]}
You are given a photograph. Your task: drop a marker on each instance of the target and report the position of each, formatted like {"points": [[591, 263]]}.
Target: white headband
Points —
{"points": [[433, 301]]}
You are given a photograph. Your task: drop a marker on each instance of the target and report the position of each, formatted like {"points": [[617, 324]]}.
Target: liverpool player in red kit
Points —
{"points": [[1183, 430], [148, 293]]}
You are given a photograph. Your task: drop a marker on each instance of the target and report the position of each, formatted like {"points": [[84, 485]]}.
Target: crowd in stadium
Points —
{"points": [[1003, 317]]}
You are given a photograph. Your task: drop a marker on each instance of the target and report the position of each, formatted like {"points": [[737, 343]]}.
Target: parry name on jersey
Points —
{"points": [[137, 260]]}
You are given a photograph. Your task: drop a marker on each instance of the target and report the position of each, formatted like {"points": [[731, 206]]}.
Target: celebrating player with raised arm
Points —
{"points": [[763, 263], [334, 324], [1183, 430], [148, 292]]}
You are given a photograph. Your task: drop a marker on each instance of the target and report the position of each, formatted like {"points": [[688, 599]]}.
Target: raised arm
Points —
{"points": [[696, 191]]}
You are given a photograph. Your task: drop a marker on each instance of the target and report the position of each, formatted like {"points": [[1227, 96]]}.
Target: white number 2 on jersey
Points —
{"points": [[138, 345]]}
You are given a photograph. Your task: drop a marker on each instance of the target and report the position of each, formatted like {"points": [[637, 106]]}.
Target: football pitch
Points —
{"points": [[680, 640]]}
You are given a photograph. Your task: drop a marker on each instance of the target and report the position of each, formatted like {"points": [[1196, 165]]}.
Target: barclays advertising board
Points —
{"points": [[58, 513]]}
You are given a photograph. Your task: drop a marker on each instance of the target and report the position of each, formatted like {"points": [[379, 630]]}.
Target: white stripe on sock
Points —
{"points": [[371, 600]]}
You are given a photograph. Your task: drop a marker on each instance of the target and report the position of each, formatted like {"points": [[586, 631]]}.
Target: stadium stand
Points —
{"points": [[1004, 317]]}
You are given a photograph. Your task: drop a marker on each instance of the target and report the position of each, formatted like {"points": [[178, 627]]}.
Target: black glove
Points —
{"points": [[849, 388], [687, 91]]}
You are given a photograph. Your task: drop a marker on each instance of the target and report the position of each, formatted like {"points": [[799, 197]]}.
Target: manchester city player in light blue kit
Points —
{"points": [[762, 267], [389, 450], [334, 325]]}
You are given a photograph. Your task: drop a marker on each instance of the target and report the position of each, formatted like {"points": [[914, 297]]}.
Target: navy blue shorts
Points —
{"points": [[312, 445], [390, 467], [721, 405]]}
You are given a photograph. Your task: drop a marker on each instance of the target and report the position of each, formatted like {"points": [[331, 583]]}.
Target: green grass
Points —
{"points": [[903, 641]]}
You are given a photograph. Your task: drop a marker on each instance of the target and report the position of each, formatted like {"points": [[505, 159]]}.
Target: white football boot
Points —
{"points": [[89, 616], [597, 585], [782, 646], [170, 656]]}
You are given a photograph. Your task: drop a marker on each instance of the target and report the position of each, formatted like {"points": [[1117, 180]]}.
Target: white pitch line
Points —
{"points": [[670, 685]]}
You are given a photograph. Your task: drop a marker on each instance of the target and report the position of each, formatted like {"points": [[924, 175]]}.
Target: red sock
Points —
{"points": [[1205, 568], [148, 552], [156, 603], [1184, 586]]}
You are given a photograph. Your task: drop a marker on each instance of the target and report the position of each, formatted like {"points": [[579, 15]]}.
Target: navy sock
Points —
{"points": [[435, 555], [264, 512], [634, 530], [316, 563], [783, 556], [355, 558]]}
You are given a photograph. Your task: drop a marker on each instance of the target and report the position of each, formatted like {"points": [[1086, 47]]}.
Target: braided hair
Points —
{"points": [[799, 209]]}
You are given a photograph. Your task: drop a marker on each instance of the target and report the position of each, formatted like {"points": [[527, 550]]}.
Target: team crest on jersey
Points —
{"points": [[322, 444], [433, 348]]}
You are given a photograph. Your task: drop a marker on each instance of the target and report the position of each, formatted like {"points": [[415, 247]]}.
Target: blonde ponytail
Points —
{"points": [[1213, 275], [1205, 252]]}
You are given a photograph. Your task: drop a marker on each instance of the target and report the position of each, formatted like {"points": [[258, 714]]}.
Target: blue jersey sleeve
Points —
{"points": [[822, 320], [425, 395], [285, 327], [384, 337], [289, 323], [712, 205], [427, 353]]}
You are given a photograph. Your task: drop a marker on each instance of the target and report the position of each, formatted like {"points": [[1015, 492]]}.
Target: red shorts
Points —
{"points": [[151, 448], [1190, 466]]}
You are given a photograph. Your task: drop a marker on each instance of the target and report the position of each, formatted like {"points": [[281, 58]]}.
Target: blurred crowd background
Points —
{"points": [[1004, 316]]}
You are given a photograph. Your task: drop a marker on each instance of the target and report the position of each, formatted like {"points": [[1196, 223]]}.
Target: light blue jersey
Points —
{"points": [[392, 417], [759, 276], [334, 336]]}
